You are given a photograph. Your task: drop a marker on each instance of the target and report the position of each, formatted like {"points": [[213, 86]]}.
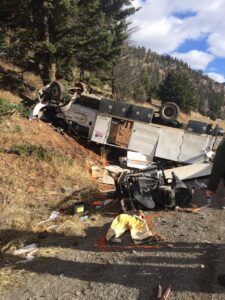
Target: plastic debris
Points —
{"points": [[114, 169], [209, 201], [29, 250], [54, 215], [83, 218], [200, 185], [159, 292], [70, 190], [191, 209], [106, 202], [26, 249], [167, 294]]}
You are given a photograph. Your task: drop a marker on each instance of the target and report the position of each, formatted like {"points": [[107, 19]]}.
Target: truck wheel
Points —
{"points": [[169, 111], [81, 86], [57, 91]]}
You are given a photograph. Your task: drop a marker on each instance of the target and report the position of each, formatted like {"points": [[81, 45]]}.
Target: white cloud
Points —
{"points": [[217, 44], [216, 76], [198, 60], [161, 29], [157, 35]]}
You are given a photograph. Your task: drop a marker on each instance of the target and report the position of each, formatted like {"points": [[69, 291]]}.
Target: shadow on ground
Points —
{"points": [[188, 267]]}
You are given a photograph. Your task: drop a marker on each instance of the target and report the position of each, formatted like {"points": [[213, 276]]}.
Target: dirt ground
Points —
{"points": [[78, 264]]}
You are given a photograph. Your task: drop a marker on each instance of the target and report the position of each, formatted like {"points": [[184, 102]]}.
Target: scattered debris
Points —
{"points": [[200, 185], [108, 201], [191, 209], [163, 296], [28, 251], [79, 207], [190, 171], [137, 160], [70, 190], [96, 172], [159, 292], [114, 169], [83, 218], [106, 179], [54, 215], [101, 175], [167, 294], [150, 189]]}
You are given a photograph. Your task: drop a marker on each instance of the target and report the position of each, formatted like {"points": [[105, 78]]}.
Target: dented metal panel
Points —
{"points": [[169, 144], [144, 139], [193, 147]]}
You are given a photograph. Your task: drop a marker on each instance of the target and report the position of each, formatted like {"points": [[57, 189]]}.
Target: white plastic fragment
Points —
{"points": [[83, 218], [54, 215], [26, 249], [200, 185]]}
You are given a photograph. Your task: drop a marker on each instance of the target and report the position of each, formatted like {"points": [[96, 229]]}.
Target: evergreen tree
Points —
{"points": [[50, 32], [100, 32], [178, 88], [38, 32]]}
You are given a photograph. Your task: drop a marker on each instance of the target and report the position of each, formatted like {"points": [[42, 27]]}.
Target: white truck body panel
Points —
{"points": [[158, 141], [144, 139], [190, 171], [81, 115], [193, 147], [169, 144]]}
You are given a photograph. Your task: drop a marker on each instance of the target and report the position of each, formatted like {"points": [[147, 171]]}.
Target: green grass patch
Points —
{"points": [[7, 108], [39, 152]]}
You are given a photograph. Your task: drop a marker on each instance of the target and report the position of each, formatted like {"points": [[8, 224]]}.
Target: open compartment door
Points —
{"points": [[101, 129]]}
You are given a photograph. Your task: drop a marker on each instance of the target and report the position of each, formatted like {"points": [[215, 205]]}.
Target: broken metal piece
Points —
{"points": [[167, 294], [150, 189], [159, 292]]}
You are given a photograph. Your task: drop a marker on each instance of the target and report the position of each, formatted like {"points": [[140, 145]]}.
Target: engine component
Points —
{"points": [[150, 189]]}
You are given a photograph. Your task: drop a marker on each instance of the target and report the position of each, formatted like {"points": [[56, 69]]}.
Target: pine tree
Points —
{"points": [[38, 32], [100, 32], [178, 88]]}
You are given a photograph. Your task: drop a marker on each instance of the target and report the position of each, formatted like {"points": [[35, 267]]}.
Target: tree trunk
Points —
{"points": [[47, 66]]}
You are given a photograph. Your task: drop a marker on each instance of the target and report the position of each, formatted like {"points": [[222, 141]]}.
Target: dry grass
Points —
{"points": [[29, 185], [7, 95]]}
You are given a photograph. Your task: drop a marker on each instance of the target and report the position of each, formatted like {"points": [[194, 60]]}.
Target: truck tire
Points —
{"points": [[57, 91], [82, 87], [169, 112]]}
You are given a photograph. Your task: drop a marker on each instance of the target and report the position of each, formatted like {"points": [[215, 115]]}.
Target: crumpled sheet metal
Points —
{"points": [[138, 228]]}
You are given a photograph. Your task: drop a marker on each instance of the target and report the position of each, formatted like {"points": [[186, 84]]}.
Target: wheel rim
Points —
{"points": [[169, 112]]}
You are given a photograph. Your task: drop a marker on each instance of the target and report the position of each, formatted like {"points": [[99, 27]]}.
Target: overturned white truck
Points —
{"points": [[126, 126]]}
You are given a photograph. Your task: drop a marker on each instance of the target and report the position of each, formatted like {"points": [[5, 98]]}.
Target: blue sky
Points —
{"points": [[191, 30]]}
